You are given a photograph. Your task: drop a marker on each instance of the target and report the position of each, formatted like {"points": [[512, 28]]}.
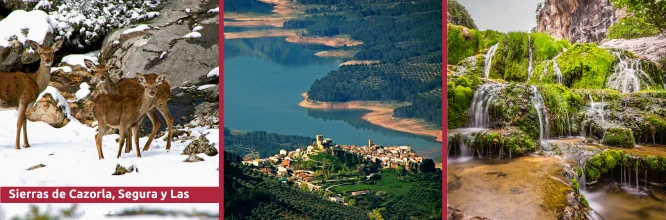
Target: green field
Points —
{"points": [[390, 183]]}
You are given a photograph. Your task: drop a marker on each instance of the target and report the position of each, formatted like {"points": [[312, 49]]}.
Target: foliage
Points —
{"points": [[85, 23], [545, 47], [562, 104], [458, 14], [652, 11], [631, 27], [250, 195], [619, 137], [585, 66], [460, 94], [263, 143]]}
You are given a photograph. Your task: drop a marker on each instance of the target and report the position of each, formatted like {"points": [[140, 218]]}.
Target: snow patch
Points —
{"points": [[78, 59], [36, 23], [139, 28], [214, 73], [204, 87], [62, 102], [193, 35], [84, 91], [163, 55], [214, 10], [65, 69], [197, 28]]}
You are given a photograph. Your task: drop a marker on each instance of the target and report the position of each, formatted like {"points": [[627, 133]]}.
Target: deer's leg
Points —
{"points": [[128, 144], [164, 110], [101, 130], [135, 130], [19, 123], [123, 132], [152, 115], [25, 133]]}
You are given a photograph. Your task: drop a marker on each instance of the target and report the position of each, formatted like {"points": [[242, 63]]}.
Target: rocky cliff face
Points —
{"points": [[577, 20]]}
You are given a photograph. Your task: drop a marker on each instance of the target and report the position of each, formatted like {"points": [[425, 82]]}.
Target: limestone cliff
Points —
{"points": [[577, 20]]}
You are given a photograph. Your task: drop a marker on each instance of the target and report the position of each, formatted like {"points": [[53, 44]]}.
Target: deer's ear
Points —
{"points": [[141, 79], [57, 45], [89, 63], [32, 44], [161, 78]]}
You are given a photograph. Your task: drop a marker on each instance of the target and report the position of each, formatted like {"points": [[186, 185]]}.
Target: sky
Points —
{"points": [[502, 15]]}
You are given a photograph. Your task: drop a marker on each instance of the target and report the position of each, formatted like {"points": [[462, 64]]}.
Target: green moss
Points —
{"points": [[546, 47], [619, 137], [631, 27], [602, 163], [585, 66], [460, 94], [574, 184], [462, 43], [562, 103], [510, 139], [584, 201], [492, 37], [511, 59]]}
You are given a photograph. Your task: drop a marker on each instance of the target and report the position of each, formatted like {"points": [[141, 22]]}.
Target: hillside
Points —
{"points": [[403, 35]]}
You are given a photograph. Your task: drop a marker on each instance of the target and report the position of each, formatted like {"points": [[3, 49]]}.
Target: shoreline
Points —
{"points": [[380, 114]]}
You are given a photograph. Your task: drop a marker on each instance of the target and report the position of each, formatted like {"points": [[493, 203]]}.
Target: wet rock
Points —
{"points": [[47, 110], [121, 170], [193, 158], [200, 146], [36, 166]]}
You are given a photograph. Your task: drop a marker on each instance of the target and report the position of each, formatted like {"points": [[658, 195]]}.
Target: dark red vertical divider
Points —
{"points": [[221, 105], [444, 110]]}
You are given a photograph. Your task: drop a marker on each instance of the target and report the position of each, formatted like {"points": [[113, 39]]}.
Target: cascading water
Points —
{"points": [[531, 66], [483, 98], [489, 60], [556, 70], [628, 75], [595, 110], [538, 103]]}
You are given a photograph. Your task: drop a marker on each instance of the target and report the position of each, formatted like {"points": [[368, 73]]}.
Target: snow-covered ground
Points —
{"points": [[70, 158], [98, 211]]}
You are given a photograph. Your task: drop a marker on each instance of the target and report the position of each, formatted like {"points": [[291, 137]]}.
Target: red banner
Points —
{"points": [[111, 194]]}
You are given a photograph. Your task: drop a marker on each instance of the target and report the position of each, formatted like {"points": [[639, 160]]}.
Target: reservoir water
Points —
{"points": [[263, 82]]}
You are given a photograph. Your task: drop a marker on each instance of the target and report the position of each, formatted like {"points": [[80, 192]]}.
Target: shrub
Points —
{"points": [[631, 27]]}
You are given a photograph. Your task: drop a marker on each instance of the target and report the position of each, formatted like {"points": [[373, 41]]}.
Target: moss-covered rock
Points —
{"points": [[460, 94], [510, 141], [619, 137], [562, 104], [604, 162], [462, 43], [585, 66]]}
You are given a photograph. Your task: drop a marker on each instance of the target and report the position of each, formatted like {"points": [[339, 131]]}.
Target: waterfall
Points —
{"points": [[596, 109], [483, 98], [489, 60], [556, 69], [628, 75], [529, 48], [538, 103]]}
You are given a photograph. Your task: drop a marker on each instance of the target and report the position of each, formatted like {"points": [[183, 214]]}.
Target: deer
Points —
{"points": [[18, 90], [130, 87], [124, 112]]}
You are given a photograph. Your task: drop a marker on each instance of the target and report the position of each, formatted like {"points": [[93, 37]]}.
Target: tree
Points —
{"points": [[654, 11]]}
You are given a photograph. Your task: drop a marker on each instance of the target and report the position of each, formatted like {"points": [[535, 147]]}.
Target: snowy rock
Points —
{"points": [[51, 108], [17, 28], [36, 166], [83, 92], [200, 146], [122, 170], [193, 158], [214, 73]]}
